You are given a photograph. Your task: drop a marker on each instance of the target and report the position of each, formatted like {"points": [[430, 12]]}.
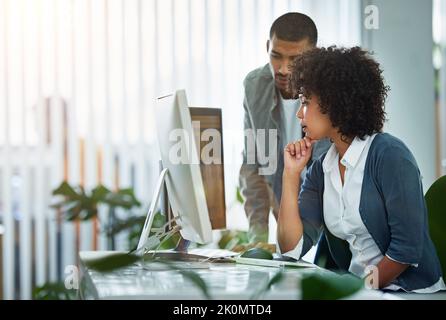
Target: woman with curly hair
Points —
{"points": [[365, 193]]}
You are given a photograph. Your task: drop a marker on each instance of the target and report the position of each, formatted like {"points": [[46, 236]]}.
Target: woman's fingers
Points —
{"points": [[303, 147], [291, 148], [298, 148]]}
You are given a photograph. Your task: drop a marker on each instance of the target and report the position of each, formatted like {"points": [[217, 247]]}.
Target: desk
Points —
{"points": [[226, 281]]}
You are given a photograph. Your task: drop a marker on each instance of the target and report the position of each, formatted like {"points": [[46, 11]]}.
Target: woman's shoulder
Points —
{"points": [[385, 140], [388, 147]]}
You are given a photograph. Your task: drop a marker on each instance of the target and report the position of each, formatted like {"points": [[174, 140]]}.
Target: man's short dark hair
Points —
{"points": [[294, 26]]}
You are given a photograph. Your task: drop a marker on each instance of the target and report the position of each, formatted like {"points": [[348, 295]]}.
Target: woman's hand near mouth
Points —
{"points": [[296, 156]]}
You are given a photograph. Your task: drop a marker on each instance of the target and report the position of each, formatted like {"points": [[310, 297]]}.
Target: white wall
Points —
{"points": [[403, 45], [439, 33]]}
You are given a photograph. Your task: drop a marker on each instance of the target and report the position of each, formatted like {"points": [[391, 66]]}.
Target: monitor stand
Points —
{"points": [[180, 253], [143, 239]]}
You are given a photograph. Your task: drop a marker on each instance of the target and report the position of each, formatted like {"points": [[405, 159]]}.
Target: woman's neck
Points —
{"points": [[341, 145]]}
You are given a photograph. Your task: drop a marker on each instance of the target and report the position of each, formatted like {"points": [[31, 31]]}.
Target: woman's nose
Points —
{"points": [[299, 113]]}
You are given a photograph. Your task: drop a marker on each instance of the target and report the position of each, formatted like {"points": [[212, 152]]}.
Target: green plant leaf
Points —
{"points": [[198, 281], [191, 275], [64, 189], [64, 205], [89, 213], [124, 224], [88, 207], [133, 239], [119, 200], [275, 279], [134, 225], [72, 213], [82, 191], [239, 196], [99, 193], [53, 291], [112, 262], [436, 207], [171, 242], [328, 286], [159, 220], [230, 238], [130, 195], [80, 205], [124, 198]]}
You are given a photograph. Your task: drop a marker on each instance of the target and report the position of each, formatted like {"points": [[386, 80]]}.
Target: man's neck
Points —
{"points": [[286, 95]]}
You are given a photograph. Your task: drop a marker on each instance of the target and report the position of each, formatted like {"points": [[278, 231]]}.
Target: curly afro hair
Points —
{"points": [[349, 85]]}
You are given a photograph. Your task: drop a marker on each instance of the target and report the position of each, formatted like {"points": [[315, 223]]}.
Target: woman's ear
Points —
{"points": [[267, 46]]}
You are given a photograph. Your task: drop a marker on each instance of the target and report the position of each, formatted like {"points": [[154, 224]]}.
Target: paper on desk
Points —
{"points": [[274, 263], [196, 255], [173, 266], [213, 253]]}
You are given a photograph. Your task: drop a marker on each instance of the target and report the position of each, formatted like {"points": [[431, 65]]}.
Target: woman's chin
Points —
{"points": [[312, 136], [309, 135]]}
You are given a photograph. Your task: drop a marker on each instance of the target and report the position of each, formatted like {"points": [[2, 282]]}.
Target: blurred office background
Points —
{"points": [[78, 80]]}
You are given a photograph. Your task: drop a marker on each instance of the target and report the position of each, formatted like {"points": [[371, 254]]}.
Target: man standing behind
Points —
{"points": [[269, 106]]}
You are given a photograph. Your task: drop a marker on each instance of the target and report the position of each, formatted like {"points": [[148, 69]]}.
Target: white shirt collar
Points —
{"points": [[353, 152], [330, 159], [350, 158]]}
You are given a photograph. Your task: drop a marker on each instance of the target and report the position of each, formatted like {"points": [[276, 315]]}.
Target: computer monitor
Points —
{"points": [[181, 171]]}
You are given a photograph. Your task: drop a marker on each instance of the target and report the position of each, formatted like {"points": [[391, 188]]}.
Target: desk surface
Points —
{"points": [[224, 280]]}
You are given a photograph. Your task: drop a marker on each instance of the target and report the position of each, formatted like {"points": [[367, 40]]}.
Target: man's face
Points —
{"points": [[281, 55]]}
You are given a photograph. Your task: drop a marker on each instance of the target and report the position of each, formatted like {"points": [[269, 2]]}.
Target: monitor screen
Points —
{"points": [[180, 157]]}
